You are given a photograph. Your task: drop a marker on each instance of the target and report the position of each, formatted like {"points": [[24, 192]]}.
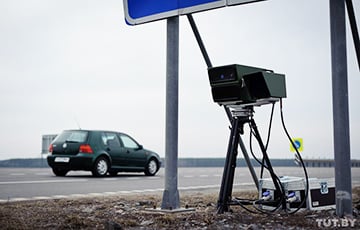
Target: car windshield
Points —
{"points": [[128, 142], [72, 136]]}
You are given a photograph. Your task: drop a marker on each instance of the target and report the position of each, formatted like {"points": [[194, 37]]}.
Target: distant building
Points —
{"points": [[46, 141]]}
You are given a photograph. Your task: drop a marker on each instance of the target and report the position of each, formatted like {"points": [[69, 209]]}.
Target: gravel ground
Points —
{"points": [[132, 212]]}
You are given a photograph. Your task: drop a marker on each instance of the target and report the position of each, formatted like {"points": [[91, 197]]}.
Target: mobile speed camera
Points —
{"points": [[240, 84]]}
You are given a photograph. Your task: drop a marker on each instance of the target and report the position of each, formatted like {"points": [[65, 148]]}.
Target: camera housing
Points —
{"points": [[239, 84]]}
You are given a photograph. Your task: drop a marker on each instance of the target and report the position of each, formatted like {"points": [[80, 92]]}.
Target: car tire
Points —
{"points": [[101, 167], [151, 167], [60, 172]]}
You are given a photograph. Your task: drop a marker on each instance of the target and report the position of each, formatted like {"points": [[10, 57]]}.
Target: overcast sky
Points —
{"points": [[65, 64]]}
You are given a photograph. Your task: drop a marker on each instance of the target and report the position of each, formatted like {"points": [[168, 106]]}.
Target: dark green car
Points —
{"points": [[100, 152]]}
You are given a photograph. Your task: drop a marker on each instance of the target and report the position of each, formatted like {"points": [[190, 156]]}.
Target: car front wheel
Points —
{"points": [[151, 167], [101, 167]]}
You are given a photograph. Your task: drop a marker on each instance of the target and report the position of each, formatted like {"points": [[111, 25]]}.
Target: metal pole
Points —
{"points": [[227, 111], [354, 30], [199, 40], [171, 194], [340, 108]]}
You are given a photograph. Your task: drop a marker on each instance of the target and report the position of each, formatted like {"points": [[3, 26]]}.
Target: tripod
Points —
{"points": [[240, 117]]}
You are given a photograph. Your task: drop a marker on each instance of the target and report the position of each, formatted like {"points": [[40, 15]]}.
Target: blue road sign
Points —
{"points": [[298, 144], [141, 11]]}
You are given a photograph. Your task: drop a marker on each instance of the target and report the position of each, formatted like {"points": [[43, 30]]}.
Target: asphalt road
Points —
{"points": [[39, 183]]}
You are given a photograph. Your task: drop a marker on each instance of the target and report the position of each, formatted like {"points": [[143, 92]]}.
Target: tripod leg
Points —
{"points": [[229, 169], [266, 159]]}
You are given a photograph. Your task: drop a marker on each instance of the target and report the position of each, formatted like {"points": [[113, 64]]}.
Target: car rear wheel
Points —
{"points": [[151, 167], [60, 172], [101, 167]]}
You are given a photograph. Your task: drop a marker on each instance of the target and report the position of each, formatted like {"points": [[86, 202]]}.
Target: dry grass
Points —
{"points": [[130, 212]]}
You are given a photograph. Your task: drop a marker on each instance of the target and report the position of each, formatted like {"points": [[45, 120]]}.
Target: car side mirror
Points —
{"points": [[140, 147]]}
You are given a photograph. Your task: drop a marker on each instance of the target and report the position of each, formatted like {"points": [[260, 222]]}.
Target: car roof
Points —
{"points": [[94, 130]]}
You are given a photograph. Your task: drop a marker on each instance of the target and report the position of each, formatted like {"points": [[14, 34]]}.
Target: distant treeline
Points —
{"points": [[190, 162]]}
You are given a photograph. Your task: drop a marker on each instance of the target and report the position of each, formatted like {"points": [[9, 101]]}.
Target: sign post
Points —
{"points": [[170, 199], [340, 108]]}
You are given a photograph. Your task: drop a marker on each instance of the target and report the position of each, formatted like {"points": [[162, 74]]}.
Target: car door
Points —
{"points": [[136, 155], [113, 148]]}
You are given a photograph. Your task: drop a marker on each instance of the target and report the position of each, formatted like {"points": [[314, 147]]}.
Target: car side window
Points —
{"points": [[110, 139], [128, 142]]}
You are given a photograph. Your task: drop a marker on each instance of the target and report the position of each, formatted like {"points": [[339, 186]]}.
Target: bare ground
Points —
{"points": [[132, 212]]}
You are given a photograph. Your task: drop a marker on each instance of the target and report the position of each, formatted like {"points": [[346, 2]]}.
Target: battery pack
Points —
{"points": [[321, 193]]}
